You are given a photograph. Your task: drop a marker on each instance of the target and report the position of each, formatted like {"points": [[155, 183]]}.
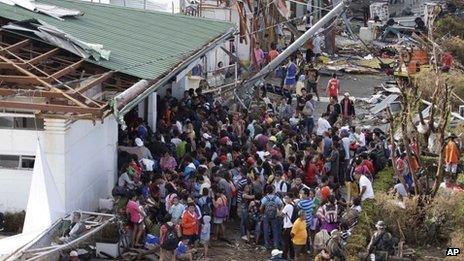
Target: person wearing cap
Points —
{"points": [[140, 150], [381, 244], [347, 109], [276, 255], [451, 156]]}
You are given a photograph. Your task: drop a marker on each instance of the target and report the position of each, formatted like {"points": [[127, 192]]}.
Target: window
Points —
{"points": [[24, 123], [17, 161]]}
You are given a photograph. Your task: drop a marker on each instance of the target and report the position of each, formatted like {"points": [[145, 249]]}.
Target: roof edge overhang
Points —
{"points": [[127, 100]]}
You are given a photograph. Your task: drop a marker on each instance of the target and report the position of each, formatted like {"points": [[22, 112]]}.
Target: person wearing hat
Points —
{"points": [[276, 255], [451, 156], [140, 150], [347, 109], [381, 244]]}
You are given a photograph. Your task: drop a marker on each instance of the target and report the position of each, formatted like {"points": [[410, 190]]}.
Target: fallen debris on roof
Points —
{"points": [[51, 10], [52, 35]]}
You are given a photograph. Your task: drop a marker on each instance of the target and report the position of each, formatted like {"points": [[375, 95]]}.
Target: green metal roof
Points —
{"points": [[143, 44]]}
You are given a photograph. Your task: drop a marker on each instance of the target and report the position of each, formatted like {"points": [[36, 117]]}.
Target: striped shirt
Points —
{"points": [[307, 205], [241, 183]]}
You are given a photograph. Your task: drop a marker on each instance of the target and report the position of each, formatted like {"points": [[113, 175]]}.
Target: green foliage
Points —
{"points": [[384, 180], [14, 222], [361, 233]]}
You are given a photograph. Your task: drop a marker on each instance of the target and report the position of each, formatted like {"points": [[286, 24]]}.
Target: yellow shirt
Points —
{"points": [[299, 232]]}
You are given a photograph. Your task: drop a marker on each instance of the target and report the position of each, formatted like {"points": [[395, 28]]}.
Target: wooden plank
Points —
{"points": [[16, 46], [4, 65], [44, 83], [49, 107], [94, 82], [65, 70], [43, 57], [19, 79], [30, 93]]}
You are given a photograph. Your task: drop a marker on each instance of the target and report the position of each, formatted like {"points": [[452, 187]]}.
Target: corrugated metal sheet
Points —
{"points": [[143, 44]]}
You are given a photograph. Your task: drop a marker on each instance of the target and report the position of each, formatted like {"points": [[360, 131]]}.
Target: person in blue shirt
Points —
{"points": [[307, 203], [271, 205], [183, 252], [290, 77]]}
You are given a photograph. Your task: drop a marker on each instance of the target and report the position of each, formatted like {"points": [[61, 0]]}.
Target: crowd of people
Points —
{"points": [[292, 181]]}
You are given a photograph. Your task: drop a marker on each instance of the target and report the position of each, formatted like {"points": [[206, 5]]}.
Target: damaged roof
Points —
{"points": [[143, 44]]}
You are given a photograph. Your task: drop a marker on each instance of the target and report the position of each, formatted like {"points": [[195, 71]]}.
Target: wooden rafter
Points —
{"points": [[49, 107], [44, 83], [15, 46], [19, 79], [42, 57], [4, 65], [94, 82], [31, 93], [65, 70]]}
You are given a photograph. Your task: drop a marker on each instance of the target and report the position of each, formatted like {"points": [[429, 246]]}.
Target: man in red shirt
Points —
{"points": [[273, 53], [446, 62], [333, 87]]}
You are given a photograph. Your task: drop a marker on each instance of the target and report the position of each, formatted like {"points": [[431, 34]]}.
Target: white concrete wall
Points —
{"points": [[91, 161], [14, 183], [82, 158]]}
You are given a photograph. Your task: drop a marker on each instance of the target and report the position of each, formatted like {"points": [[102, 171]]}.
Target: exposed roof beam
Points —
{"points": [[19, 79], [94, 82], [30, 93], [44, 83], [16, 46], [44, 56], [66, 70], [4, 65], [49, 107]]}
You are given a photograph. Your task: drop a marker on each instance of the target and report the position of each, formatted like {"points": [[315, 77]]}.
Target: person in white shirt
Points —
{"points": [[322, 125], [280, 186], [360, 137], [401, 190], [287, 212], [365, 186]]}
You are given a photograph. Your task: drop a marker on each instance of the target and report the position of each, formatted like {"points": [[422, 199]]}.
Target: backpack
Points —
{"points": [[222, 211], [331, 215], [295, 211], [270, 209], [282, 185], [171, 240], [206, 208]]}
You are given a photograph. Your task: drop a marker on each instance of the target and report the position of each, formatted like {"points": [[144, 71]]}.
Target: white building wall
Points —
{"points": [[14, 183], [91, 160], [82, 158]]}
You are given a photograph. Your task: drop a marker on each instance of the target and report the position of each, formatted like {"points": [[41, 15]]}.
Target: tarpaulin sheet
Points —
{"points": [[54, 36]]}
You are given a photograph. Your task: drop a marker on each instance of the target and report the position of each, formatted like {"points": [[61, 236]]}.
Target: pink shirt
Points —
{"points": [[133, 209]]}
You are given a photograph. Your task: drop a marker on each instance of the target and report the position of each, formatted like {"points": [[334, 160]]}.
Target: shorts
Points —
{"points": [[191, 239], [312, 87], [451, 167], [299, 249]]}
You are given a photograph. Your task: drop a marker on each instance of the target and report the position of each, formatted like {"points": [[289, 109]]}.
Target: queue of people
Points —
{"points": [[293, 184]]}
